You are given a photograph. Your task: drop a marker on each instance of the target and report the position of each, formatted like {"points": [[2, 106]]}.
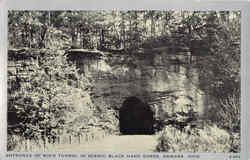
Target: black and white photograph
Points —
{"points": [[124, 81]]}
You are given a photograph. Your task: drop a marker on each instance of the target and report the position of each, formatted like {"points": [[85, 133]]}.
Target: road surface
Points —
{"points": [[116, 143]]}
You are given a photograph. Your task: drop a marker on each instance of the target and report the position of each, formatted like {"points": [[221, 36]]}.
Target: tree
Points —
{"points": [[41, 106]]}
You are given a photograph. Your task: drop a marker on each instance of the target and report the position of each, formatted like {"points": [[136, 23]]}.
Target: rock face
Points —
{"points": [[162, 81]]}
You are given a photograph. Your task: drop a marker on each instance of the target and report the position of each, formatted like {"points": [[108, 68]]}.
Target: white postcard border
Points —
{"points": [[134, 5]]}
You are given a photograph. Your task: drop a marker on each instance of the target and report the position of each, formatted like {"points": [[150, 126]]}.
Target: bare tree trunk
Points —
{"points": [[101, 39], [130, 30], [152, 25]]}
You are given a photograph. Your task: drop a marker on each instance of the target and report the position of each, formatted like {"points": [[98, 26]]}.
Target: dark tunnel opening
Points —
{"points": [[136, 117]]}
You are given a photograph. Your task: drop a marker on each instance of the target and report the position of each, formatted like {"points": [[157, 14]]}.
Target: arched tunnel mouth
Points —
{"points": [[136, 117]]}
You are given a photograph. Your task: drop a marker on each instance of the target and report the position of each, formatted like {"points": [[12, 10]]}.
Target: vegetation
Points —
{"points": [[42, 104], [208, 139], [55, 86]]}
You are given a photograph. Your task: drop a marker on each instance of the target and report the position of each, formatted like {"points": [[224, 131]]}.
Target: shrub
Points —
{"points": [[12, 142], [208, 139], [48, 100], [229, 113]]}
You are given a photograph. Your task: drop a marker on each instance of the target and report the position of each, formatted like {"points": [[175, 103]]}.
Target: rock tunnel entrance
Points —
{"points": [[136, 117]]}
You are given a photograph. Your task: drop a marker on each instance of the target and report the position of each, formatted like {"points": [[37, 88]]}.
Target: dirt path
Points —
{"points": [[125, 143]]}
